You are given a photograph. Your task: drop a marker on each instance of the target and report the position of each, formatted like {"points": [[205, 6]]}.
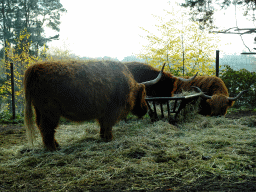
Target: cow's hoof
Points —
{"points": [[106, 137]]}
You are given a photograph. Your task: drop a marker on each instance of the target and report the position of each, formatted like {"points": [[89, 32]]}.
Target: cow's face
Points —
{"points": [[140, 106], [219, 105]]}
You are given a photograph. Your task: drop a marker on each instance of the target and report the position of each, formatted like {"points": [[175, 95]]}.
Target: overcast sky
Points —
{"points": [[97, 28]]}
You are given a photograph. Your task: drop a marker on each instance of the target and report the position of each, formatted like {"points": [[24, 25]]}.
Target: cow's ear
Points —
{"points": [[140, 106], [141, 93], [231, 103]]}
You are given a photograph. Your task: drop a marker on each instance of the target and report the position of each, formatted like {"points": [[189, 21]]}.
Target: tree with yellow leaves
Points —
{"points": [[21, 58], [180, 42]]}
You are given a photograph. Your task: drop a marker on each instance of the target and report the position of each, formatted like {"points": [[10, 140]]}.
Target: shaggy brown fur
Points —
{"points": [[212, 86], [169, 84], [80, 91], [144, 72]]}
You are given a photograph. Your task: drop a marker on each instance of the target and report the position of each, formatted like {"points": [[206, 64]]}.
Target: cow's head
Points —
{"points": [[218, 103]]}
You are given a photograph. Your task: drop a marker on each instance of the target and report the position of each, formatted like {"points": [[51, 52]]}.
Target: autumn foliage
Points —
{"points": [[21, 57], [176, 35]]}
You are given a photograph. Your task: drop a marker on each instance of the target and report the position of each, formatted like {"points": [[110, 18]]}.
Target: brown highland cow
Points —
{"points": [[81, 91], [216, 100], [164, 88]]}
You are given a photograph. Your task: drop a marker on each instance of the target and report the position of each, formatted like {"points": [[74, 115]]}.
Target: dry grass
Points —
{"points": [[202, 154], [186, 115]]}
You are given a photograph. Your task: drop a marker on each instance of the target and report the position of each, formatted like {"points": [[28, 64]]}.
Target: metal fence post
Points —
{"points": [[217, 62]]}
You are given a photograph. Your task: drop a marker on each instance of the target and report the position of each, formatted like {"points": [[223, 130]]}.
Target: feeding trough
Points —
{"points": [[179, 104]]}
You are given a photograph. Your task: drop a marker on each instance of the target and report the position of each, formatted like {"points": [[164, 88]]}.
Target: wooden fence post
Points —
{"points": [[13, 93]]}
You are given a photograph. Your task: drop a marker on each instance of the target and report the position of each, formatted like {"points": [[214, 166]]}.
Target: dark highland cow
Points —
{"points": [[166, 85], [81, 91], [216, 100]]}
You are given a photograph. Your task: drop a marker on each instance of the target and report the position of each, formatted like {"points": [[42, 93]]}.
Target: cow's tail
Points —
{"points": [[28, 117]]}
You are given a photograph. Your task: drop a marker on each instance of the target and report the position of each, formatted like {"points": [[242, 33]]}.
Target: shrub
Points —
{"points": [[237, 81], [6, 117]]}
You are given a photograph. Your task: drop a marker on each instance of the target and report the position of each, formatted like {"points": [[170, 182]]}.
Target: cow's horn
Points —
{"points": [[154, 81], [188, 80], [238, 96], [203, 95]]}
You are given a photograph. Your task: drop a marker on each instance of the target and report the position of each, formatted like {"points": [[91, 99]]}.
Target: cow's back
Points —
{"points": [[210, 85], [88, 88], [143, 72]]}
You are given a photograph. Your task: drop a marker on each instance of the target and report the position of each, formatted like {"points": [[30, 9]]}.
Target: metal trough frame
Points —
{"points": [[184, 101]]}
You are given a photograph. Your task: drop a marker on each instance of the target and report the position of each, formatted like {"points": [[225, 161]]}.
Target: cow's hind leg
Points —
{"points": [[47, 125]]}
